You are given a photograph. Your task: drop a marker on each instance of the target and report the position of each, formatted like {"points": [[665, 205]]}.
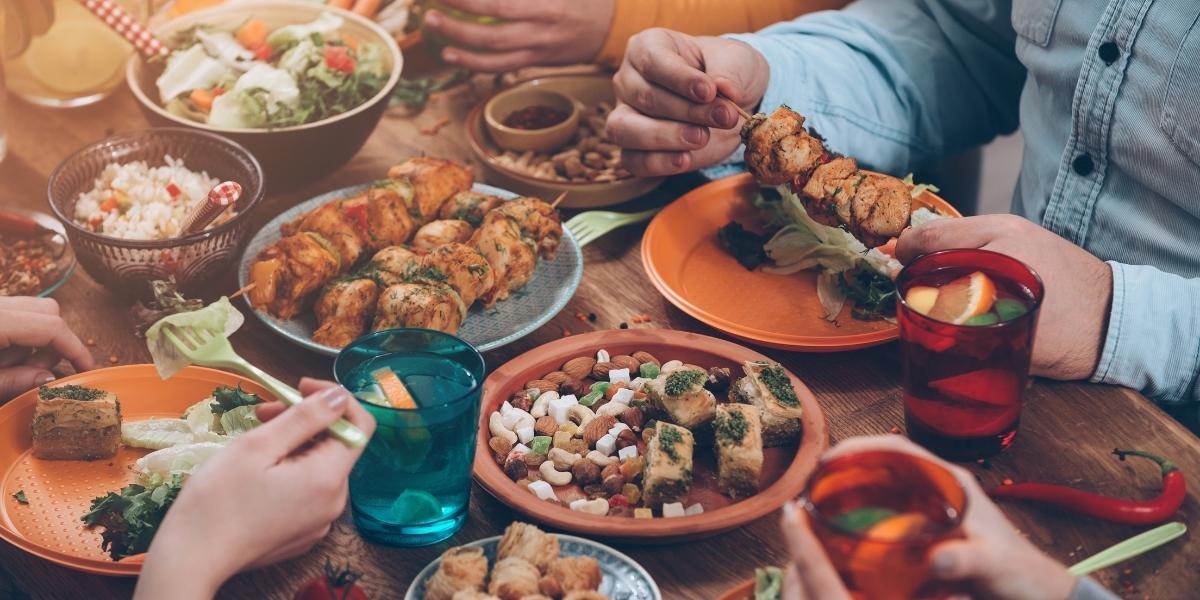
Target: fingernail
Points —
{"points": [[450, 56], [693, 136], [43, 379], [679, 160], [700, 91], [433, 18], [334, 397]]}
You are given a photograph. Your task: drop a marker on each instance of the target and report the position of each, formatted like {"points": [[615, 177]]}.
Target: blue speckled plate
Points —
{"points": [[624, 579], [553, 284]]}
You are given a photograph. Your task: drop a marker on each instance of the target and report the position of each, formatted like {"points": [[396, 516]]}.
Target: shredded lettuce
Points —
{"points": [[919, 188], [803, 243], [324, 25], [183, 460], [156, 434], [923, 215], [239, 420], [219, 318]]}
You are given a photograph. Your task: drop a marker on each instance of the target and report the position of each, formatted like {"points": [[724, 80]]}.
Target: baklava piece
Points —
{"points": [[72, 422]]}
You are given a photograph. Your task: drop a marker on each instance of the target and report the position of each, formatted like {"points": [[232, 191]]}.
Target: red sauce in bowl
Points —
{"points": [[538, 116]]}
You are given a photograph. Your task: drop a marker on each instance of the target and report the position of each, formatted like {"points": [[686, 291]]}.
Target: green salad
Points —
{"points": [[256, 78]]}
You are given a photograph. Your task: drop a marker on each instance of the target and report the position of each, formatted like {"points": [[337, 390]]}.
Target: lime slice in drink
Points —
{"points": [[76, 57], [415, 506]]}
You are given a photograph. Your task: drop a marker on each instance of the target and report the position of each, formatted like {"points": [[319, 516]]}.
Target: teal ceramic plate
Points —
{"points": [[624, 579], [65, 264], [553, 284]]}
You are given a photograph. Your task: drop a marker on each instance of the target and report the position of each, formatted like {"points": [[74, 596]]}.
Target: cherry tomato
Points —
{"points": [[338, 58], [335, 584]]}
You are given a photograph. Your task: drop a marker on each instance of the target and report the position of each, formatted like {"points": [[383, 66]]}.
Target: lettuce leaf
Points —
{"points": [[183, 459], [227, 398], [239, 420], [156, 434], [768, 583], [219, 318], [131, 517], [804, 243]]}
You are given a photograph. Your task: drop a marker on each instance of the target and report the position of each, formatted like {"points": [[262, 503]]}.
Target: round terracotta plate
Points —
{"points": [[743, 591], [685, 261], [587, 89], [785, 468], [61, 491]]}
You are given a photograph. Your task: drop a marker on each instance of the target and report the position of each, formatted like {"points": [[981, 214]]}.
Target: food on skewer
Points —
{"points": [[441, 231], [539, 222], [287, 272], [345, 310], [466, 270], [428, 306], [513, 261], [469, 206], [334, 223], [779, 148], [434, 181]]}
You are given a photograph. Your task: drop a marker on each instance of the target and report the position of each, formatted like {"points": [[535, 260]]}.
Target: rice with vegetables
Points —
{"points": [[138, 202]]}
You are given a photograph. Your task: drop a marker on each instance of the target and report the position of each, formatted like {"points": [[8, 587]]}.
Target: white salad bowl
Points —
{"points": [[290, 156]]}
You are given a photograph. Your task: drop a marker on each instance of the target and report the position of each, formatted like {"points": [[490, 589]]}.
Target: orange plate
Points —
{"points": [[686, 262], [743, 591], [60, 491], [785, 469]]}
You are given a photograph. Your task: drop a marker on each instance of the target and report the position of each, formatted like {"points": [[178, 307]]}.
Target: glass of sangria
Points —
{"points": [[412, 484], [967, 320], [877, 514]]}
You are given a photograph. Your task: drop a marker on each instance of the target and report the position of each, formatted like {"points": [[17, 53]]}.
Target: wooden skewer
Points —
{"points": [[741, 111], [558, 200], [249, 286]]}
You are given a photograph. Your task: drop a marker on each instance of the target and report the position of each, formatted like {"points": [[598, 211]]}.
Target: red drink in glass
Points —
{"points": [[877, 514], [964, 384]]}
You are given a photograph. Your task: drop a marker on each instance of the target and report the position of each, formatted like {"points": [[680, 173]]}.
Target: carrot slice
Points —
{"points": [[202, 99], [252, 34], [393, 389]]}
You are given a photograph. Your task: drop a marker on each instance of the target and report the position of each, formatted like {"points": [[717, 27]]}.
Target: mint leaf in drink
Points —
{"points": [[861, 519]]}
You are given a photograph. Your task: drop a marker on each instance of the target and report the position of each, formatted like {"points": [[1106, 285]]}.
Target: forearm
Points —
{"points": [[699, 17], [178, 572], [897, 83], [1153, 339]]}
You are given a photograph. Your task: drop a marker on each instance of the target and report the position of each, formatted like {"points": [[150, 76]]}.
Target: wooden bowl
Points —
{"points": [[290, 156], [586, 89], [546, 139], [785, 469]]}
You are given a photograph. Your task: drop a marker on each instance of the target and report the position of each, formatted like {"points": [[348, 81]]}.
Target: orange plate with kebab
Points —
{"points": [[685, 261], [61, 491]]}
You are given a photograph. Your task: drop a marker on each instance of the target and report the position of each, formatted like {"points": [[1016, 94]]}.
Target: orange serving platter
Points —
{"points": [[785, 468], [61, 491], [685, 261]]}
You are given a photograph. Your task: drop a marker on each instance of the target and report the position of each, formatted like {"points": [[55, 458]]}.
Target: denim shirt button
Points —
{"points": [[1083, 165], [1109, 52]]}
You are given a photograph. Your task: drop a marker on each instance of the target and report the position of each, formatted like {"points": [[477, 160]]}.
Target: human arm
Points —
{"points": [[33, 339], [271, 495], [992, 559], [893, 83]]}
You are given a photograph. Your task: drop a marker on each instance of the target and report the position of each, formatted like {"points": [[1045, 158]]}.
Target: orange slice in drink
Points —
{"points": [[883, 569], [393, 389], [963, 298], [921, 298]]}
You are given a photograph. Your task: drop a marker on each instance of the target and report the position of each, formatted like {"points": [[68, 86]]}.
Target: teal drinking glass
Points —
{"points": [[412, 485]]}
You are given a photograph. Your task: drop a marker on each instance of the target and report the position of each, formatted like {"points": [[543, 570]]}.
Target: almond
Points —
{"points": [[597, 428], [625, 361], [600, 371], [547, 425], [541, 385], [579, 368], [574, 386], [646, 357], [557, 377]]}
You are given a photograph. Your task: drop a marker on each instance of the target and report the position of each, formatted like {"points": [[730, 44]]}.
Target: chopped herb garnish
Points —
{"points": [[731, 428], [777, 381], [683, 381], [478, 269], [429, 274], [20, 497], [70, 392], [667, 438]]}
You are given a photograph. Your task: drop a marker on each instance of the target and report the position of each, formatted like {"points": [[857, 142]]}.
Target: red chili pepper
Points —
{"points": [[357, 213], [1116, 510], [338, 58]]}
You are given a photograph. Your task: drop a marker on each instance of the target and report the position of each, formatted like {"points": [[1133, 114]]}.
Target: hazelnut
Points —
{"points": [[718, 380], [609, 471], [533, 459], [600, 371], [613, 484], [594, 491], [577, 446], [634, 418], [556, 377], [546, 426], [624, 361], [597, 428], [573, 386], [626, 438], [522, 401], [516, 469], [646, 357], [579, 368], [585, 472], [541, 385], [500, 446]]}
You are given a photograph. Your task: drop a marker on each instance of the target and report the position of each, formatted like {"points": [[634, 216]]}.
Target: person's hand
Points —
{"points": [[993, 560], [532, 32], [34, 338], [1078, 286], [271, 495], [669, 118]]}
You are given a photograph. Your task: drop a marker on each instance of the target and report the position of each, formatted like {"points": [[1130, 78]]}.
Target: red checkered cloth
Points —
{"points": [[116, 17], [222, 195]]}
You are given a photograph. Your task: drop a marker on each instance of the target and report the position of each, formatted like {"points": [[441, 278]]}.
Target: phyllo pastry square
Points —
{"points": [[681, 395], [72, 422], [668, 475], [739, 445], [768, 387]]}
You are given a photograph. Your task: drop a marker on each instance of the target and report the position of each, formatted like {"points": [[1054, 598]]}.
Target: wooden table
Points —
{"points": [[1067, 429]]}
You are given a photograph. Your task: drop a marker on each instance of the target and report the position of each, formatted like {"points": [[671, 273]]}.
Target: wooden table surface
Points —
{"points": [[1067, 429]]}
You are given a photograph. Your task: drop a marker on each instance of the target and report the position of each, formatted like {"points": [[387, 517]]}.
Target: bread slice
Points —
{"points": [[73, 422]]}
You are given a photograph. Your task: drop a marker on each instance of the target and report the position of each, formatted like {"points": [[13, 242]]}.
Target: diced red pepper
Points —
{"points": [[173, 190], [217, 91], [262, 51], [338, 58], [357, 214], [618, 500]]}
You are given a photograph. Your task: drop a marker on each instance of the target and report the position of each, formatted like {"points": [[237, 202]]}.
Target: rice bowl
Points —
{"points": [[138, 202]]}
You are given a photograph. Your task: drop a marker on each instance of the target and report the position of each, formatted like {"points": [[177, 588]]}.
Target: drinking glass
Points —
{"points": [[61, 54], [964, 384], [412, 485], [877, 514]]}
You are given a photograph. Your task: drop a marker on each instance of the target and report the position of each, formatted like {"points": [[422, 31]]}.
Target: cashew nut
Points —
{"points": [[602, 355], [552, 476], [671, 365], [562, 459], [542, 403], [612, 409], [496, 426], [600, 458], [581, 415], [598, 506]]}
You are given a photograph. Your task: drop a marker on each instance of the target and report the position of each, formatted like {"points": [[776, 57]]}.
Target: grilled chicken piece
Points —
{"points": [[443, 231], [512, 258], [390, 214], [428, 306], [344, 310], [539, 223], [394, 264], [466, 270], [469, 206], [288, 271], [434, 180], [337, 223], [779, 148], [873, 207]]}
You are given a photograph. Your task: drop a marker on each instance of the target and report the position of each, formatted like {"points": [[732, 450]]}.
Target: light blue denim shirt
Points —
{"points": [[1107, 95]]}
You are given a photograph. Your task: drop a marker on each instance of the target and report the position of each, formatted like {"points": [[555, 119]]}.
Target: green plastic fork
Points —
{"points": [[589, 226], [208, 350]]}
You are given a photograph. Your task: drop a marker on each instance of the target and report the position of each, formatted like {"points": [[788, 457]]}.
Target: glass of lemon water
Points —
{"points": [[57, 53]]}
